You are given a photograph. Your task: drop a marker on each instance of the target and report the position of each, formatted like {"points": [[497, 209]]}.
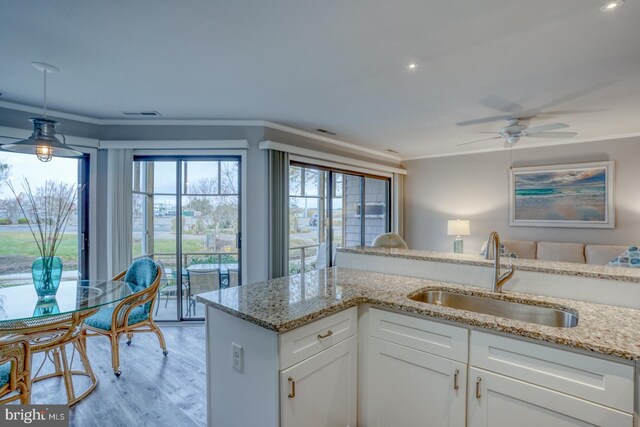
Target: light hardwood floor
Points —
{"points": [[153, 390]]}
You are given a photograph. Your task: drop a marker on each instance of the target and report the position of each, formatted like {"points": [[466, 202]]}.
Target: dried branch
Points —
{"points": [[47, 212]]}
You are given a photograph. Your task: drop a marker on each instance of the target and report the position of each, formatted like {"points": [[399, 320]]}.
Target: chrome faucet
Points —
{"points": [[493, 252]]}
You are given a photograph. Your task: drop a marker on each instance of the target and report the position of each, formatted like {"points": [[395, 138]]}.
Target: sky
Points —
{"points": [[588, 177], [37, 172]]}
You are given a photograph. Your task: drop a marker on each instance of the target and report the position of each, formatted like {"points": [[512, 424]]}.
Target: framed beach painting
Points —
{"points": [[575, 195]]}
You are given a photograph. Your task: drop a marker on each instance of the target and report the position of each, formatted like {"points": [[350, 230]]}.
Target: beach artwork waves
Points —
{"points": [[561, 195]]}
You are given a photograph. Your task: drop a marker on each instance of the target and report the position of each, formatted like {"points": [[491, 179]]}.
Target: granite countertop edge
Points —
{"points": [[461, 317], [537, 266]]}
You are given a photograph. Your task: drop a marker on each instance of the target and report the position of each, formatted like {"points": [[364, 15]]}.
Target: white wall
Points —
{"points": [[476, 187]]}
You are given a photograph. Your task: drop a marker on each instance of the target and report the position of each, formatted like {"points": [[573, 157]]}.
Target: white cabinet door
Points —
{"points": [[499, 401], [321, 391], [408, 388]]}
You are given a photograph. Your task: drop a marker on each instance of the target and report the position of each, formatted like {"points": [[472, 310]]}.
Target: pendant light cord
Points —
{"points": [[45, 93]]}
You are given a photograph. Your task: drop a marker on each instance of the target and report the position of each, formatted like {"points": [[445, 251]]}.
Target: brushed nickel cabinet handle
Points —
{"points": [[327, 335], [455, 379], [292, 388], [478, 381]]}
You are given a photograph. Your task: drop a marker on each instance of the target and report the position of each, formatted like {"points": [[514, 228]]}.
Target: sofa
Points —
{"points": [[579, 253]]}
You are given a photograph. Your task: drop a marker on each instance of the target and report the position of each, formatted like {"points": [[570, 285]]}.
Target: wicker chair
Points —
{"points": [[202, 281], [15, 369], [131, 315]]}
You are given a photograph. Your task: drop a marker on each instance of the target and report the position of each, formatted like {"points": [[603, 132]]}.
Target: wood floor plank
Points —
{"points": [[153, 390]]}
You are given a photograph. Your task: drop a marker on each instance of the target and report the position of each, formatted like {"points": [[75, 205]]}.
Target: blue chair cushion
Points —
{"points": [[102, 319], [5, 373], [141, 275]]}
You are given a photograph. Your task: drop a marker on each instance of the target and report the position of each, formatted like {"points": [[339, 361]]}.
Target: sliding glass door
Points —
{"points": [[326, 212], [186, 216]]}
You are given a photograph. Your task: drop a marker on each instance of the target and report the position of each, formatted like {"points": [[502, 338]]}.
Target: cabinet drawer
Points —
{"points": [[498, 401], [420, 334], [591, 378], [307, 340]]}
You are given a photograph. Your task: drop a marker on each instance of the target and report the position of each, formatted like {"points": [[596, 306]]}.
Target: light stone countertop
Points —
{"points": [[551, 267], [290, 302]]}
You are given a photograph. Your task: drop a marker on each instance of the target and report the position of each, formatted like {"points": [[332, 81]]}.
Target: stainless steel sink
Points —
{"points": [[545, 316]]}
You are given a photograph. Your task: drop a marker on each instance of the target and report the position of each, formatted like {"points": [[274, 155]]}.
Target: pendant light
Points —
{"points": [[43, 142]]}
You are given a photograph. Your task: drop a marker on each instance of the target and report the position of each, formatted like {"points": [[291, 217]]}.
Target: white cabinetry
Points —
{"points": [[413, 388], [499, 401], [319, 373], [515, 382], [417, 376], [417, 372], [321, 391]]}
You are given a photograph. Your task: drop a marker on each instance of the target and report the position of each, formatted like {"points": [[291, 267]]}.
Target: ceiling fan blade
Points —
{"points": [[553, 135], [484, 120], [501, 104], [479, 140], [545, 128]]}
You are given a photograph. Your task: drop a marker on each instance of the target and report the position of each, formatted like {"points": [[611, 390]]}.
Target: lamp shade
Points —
{"points": [[42, 142], [458, 227]]}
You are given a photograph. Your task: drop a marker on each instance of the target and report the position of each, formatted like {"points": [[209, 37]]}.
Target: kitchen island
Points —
{"points": [[326, 338]]}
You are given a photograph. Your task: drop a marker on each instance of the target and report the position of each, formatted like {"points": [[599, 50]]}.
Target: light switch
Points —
{"points": [[236, 350]]}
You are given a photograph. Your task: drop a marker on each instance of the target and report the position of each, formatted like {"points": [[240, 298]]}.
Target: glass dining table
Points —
{"points": [[54, 324]]}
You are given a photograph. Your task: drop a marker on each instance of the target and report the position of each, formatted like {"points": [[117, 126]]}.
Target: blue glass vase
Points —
{"points": [[46, 308], [46, 272]]}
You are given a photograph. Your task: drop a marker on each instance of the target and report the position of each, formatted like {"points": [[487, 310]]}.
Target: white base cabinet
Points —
{"points": [[499, 401], [322, 391], [414, 372], [417, 376], [411, 388]]}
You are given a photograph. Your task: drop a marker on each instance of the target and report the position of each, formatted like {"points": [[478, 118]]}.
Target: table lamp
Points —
{"points": [[458, 228]]}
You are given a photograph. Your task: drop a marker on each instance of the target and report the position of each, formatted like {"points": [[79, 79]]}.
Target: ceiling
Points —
{"points": [[335, 64]]}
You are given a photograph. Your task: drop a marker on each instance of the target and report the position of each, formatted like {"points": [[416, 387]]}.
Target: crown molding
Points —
{"points": [[204, 122], [520, 146], [57, 114], [343, 160], [333, 141]]}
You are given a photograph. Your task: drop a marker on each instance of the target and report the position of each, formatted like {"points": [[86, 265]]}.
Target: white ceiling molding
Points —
{"points": [[237, 144], [322, 156], [56, 114], [9, 134], [337, 142], [203, 122], [521, 146]]}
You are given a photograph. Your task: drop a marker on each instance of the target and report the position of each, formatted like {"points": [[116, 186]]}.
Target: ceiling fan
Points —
{"points": [[514, 130]]}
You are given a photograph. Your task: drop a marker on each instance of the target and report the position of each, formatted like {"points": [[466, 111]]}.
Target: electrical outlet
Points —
{"points": [[236, 351]]}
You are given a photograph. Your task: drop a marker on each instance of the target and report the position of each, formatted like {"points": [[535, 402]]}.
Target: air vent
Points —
{"points": [[326, 131], [141, 113]]}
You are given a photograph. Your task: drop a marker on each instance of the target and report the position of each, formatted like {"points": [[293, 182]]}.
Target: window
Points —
{"points": [[18, 249], [186, 216], [325, 212]]}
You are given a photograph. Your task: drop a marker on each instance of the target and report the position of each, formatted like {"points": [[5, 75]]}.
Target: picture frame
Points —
{"points": [[577, 195]]}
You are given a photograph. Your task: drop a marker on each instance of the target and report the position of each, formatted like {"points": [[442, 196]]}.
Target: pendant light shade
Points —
{"points": [[43, 142]]}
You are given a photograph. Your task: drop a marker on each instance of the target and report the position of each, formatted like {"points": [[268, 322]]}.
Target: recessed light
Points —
{"points": [[612, 4], [412, 66]]}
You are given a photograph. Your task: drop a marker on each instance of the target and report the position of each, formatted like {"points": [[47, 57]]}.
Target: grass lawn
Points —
{"points": [[22, 243]]}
